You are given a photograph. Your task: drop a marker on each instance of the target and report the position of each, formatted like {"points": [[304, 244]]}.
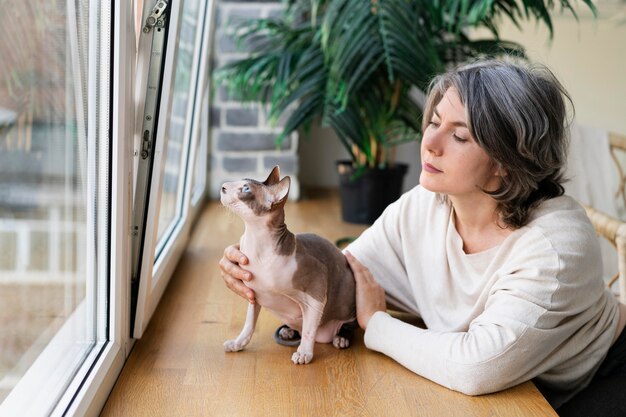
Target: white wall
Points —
{"points": [[588, 56]]}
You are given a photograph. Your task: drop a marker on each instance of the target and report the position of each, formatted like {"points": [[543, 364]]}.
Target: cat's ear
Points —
{"points": [[280, 192], [274, 176]]}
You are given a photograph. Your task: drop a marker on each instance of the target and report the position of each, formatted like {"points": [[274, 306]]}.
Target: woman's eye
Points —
{"points": [[433, 123], [459, 139], [245, 189]]}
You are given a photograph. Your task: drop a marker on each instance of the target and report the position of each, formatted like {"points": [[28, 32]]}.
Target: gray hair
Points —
{"points": [[517, 113]]}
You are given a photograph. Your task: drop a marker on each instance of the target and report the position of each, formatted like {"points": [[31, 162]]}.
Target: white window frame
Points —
{"points": [[90, 397], [155, 275], [92, 392], [87, 392]]}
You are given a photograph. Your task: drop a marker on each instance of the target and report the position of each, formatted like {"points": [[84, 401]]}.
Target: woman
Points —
{"points": [[504, 270]]}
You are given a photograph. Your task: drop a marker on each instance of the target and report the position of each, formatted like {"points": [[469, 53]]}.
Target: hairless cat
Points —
{"points": [[303, 279]]}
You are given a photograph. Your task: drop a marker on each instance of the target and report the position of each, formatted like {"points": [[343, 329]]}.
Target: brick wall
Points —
{"points": [[242, 141]]}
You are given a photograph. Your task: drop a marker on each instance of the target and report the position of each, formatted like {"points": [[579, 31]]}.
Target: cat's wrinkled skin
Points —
{"points": [[303, 279]]}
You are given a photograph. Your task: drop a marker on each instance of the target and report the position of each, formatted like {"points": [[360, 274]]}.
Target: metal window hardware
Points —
{"points": [[158, 19], [157, 16]]}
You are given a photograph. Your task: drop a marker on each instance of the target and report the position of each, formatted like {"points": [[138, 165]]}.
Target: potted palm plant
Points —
{"points": [[354, 65]]}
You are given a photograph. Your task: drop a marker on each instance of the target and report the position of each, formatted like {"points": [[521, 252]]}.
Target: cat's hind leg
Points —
{"points": [[244, 337], [343, 338], [287, 336]]}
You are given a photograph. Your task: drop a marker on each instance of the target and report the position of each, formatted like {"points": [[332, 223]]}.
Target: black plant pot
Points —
{"points": [[364, 198]]}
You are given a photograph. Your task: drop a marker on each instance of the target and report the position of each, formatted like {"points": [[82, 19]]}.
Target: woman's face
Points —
{"points": [[452, 161]]}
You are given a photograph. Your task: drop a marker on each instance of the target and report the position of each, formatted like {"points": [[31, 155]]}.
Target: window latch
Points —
{"points": [[156, 17]]}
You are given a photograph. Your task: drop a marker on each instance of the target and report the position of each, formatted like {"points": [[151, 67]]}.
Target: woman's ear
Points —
{"points": [[499, 170]]}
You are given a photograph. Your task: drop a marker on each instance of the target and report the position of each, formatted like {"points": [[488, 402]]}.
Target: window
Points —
{"points": [[54, 199], [67, 173]]}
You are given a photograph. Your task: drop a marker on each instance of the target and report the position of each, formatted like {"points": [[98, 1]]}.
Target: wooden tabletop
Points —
{"points": [[179, 367]]}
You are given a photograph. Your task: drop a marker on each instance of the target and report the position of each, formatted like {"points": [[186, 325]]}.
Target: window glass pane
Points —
{"points": [[47, 295], [200, 165], [179, 121]]}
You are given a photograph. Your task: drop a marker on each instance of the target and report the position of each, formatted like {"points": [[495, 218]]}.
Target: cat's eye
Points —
{"points": [[245, 189]]}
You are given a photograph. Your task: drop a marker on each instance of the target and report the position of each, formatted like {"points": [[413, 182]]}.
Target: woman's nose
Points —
{"points": [[432, 142]]}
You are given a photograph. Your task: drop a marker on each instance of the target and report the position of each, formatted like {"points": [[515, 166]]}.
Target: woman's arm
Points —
{"points": [[426, 353], [531, 324]]}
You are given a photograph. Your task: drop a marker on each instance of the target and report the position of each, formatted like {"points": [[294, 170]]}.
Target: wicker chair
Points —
{"points": [[617, 143], [612, 229]]}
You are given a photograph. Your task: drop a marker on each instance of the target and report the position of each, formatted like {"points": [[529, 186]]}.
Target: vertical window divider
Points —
{"points": [[157, 23], [93, 132]]}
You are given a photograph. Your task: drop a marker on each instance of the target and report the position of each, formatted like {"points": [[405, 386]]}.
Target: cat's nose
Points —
{"points": [[223, 190]]}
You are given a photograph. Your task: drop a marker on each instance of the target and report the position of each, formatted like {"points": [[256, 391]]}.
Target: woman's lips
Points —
{"points": [[429, 168]]}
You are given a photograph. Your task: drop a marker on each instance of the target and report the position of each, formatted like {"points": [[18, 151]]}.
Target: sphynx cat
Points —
{"points": [[303, 279]]}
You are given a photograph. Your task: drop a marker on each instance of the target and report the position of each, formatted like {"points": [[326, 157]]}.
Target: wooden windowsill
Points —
{"points": [[179, 367]]}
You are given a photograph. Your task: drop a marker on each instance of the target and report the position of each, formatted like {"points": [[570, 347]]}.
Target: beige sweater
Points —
{"points": [[534, 306]]}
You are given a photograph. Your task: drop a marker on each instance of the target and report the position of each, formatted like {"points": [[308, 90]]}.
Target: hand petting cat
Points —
{"points": [[370, 296], [233, 275]]}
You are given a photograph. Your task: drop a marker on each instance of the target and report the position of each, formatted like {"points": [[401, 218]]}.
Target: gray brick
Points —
{"points": [[215, 117], [227, 59], [243, 164], [222, 93], [227, 44], [238, 15], [219, 12], [242, 117], [275, 14], [214, 161], [248, 1], [228, 141], [257, 43], [226, 95], [288, 163], [214, 63]]}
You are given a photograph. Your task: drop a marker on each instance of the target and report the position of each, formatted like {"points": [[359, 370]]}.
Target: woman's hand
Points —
{"points": [[370, 297], [233, 275]]}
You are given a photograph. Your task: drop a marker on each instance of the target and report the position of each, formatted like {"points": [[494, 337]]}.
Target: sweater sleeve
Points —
{"points": [[482, 360]]}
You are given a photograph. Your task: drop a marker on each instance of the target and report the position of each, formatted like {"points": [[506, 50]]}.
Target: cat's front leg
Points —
{"points": [[311, 318], [246, 333]]}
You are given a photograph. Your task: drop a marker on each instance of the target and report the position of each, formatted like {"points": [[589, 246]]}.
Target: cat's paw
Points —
{"points": [[341, 342], [301, 358], [287, 333], [234, 345]]}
